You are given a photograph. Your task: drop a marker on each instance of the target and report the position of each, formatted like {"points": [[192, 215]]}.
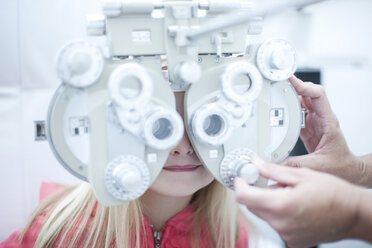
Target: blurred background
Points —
{"points": [[332, 40]]}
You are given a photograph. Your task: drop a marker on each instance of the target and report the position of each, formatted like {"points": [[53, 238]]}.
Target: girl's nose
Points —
{"points": [[184, 147]]}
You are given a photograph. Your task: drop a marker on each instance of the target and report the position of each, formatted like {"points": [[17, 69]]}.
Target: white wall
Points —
{"points": [[31, 34], [334, 35]]}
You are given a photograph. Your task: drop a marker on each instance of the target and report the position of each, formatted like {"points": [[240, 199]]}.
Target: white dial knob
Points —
{"points": [[188, 72], [249, 173], [79, 64], [237, 163], [282, 59], [79, 61], [276, 60], [127, 177]]}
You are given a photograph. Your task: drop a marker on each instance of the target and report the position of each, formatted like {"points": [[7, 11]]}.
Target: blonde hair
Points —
{"points": [[69, 210]]}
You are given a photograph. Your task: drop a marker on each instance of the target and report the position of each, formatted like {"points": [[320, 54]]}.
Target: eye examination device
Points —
{"points": [[113, 121]]}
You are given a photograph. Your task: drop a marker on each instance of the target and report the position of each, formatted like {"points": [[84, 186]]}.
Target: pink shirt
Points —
{"points": [[176, 232]]}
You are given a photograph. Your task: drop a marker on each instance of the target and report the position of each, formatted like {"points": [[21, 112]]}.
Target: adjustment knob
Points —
{"points": [[188, 72], [127, 177], [276, 60], [237, 163], [282, 59], [79, 64], [79, 61], [249, 173]]}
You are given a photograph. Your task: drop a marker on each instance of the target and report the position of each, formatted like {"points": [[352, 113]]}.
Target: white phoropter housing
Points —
{"points": [[113, 121], [115, 132], [250, 113]]}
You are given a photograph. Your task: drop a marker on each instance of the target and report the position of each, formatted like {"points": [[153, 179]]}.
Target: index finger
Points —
{"points": [[254, 197], [316, 93], [281, 174]]}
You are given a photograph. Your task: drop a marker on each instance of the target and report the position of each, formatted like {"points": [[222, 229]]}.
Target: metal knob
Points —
{"points": [[282, 59], [80, 64], [188, 72], [249, 173], [237, 163], [127, 177]]}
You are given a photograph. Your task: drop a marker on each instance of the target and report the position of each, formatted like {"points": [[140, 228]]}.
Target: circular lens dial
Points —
{"points": [[130, 86], [127, 177], [276, 60], [79, 64], [211, 125], [250, 84], [237, 163], [163, 129]]}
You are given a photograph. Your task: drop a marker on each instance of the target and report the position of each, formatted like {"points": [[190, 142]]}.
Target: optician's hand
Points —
{"points": [[308, 207], [324, 140]]}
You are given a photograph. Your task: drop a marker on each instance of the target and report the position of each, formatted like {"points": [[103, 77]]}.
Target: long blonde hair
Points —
{"points": [[69, 210]]}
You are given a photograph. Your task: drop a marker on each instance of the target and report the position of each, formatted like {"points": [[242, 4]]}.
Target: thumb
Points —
{"points": [[311, 161]]}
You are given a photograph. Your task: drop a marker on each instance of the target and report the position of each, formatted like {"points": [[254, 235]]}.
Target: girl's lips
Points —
{"points": [[182, 168]]}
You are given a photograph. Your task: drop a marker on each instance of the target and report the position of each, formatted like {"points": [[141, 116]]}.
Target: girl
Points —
{"points": [[184, 207]]}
